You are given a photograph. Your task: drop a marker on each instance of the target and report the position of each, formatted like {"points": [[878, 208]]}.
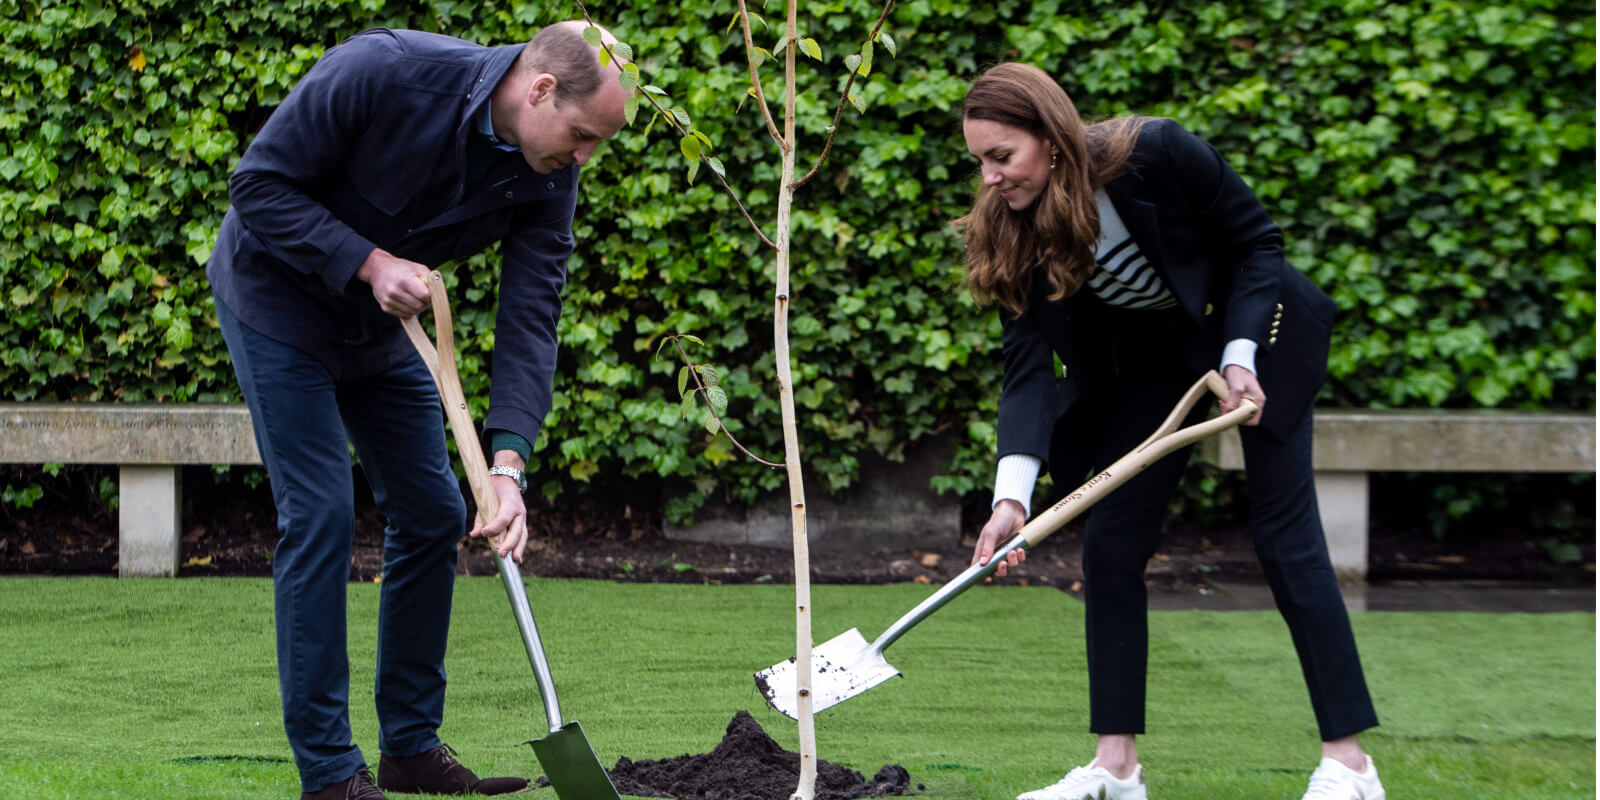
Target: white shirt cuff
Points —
{"points": [[1014, 477], [1241, 352]]}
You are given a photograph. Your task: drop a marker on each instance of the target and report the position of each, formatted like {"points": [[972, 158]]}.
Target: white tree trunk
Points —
{"points": [[806, 788]]}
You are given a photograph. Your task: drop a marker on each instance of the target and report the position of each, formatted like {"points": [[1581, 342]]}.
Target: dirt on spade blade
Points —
{"points": [[748, 765]]}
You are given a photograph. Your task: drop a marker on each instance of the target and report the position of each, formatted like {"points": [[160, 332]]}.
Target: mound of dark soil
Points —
{"points": [[748, 765]]}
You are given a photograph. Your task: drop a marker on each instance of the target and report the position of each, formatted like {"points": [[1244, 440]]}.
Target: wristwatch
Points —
{"points": [[512, 473]]}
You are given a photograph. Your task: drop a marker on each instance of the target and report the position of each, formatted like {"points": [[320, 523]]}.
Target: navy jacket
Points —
{"points": [[1209, 238], [370, 150]]}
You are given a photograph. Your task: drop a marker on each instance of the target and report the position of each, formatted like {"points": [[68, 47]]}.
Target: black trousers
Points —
{"points": [[1131, 392]]}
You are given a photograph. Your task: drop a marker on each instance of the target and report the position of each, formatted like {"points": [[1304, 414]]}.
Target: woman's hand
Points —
{"points": [[510, 521], [1003, 524], [1242, 384]]}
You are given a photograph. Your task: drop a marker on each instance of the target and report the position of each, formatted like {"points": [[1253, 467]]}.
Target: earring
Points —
{"points": [[1052, 160]]}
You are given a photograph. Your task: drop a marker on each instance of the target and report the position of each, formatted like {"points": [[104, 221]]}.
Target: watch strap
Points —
{"points": [[512, 473]]}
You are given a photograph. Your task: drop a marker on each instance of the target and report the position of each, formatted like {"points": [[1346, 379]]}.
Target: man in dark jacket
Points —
{"points": [[397, 152]]}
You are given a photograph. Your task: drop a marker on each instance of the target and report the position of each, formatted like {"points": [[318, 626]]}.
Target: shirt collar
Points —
{"points": [[485, 126]]}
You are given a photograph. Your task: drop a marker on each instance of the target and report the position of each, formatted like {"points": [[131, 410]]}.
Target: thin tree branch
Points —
{"points": [[671, 120], [844, 97], [755, 79], [700, 388]]}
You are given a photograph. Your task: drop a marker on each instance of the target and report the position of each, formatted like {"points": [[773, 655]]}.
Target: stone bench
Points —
{"points": [[1350, 444], [149, 443]]}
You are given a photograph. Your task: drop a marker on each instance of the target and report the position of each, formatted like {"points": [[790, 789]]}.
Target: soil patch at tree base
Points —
{"points": [[747, 765]]}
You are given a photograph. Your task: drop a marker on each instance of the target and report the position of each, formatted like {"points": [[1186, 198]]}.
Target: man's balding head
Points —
{"points": [[557, 104], [559, 49]]}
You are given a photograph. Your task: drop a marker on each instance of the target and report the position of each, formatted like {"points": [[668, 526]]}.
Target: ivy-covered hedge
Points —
{"points": [[1432, 164]]}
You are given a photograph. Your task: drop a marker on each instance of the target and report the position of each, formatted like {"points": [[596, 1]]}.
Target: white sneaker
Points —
{"points": [[1335, 781], [1092, 782]]}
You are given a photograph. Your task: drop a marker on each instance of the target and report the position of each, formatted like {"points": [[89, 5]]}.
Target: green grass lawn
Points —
{"points": [[167, 689]]}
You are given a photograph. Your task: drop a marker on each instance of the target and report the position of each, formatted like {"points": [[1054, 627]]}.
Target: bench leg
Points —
{"points": [[148, 524], [1342, 499]]}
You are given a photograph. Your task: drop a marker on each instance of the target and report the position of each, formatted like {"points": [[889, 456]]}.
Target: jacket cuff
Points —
{"points": [[344, 262]]}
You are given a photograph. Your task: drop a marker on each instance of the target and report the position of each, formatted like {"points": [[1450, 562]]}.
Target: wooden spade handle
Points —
{"points": [[442, 365], [1167, 438]]}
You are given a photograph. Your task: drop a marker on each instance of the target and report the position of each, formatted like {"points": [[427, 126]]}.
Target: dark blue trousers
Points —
{"points": [[1132, 394], [306, 417]]}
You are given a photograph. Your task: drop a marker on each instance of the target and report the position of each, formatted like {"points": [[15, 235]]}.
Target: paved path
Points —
{"points": [[1479, 596]]}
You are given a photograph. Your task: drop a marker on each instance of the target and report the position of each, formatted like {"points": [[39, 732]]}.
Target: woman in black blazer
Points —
{"points": [[1130, 251]]}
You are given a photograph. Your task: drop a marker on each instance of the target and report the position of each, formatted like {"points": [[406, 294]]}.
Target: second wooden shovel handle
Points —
{"points": [[1167, 438]]}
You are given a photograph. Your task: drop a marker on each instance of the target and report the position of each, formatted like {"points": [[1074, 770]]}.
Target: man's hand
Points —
{"points": [[1003, 524], [394, 283], [1242, 383], [511, 521]]}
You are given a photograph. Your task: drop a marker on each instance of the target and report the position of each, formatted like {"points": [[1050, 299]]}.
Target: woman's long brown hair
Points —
{"points": [[1055, 237]]}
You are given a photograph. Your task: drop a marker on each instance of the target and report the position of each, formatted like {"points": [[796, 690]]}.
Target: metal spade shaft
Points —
{"points": [[566, 755]]}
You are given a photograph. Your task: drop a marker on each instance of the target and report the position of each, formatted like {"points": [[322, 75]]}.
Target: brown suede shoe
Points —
{"points": [[358, 787], [438, 772]]}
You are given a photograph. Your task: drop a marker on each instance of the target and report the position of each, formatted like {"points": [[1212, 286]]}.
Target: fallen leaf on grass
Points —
{"points": [[198, 561]]}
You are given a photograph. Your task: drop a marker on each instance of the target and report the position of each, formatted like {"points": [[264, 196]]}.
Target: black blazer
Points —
{"points": [[1219, 252]]}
